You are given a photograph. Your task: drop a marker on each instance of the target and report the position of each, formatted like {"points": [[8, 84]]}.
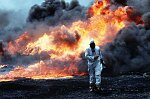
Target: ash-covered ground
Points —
{"points": [[120, 87]]}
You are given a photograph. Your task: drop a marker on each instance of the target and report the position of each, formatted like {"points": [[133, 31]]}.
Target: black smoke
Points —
{"points": [[136, 9], [55, 12], [5, 21], [142, 6], [130, 50], [121, 2]]}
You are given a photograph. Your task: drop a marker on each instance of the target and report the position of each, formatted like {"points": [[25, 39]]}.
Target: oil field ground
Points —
{"points": [[120, 87]]}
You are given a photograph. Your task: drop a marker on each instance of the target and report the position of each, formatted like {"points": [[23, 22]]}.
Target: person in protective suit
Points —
{"points": [[94, 56]]}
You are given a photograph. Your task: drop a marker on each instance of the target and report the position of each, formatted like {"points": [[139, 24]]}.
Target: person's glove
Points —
{"points": [[96, 57]]}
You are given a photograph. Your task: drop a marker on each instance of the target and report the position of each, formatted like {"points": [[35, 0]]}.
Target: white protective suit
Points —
{"points": [[94, 66]]}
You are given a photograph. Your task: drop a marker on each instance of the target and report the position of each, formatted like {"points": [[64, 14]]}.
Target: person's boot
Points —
{"points": [[98, 88], [91, 87]]}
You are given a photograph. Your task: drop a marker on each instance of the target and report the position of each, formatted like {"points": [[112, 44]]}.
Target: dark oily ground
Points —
{"points": [[125, 86]]}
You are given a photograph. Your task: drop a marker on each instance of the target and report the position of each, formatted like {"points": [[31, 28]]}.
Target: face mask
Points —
{"points": [[92, 45]]}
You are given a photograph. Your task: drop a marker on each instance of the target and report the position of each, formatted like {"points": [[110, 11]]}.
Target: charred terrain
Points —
{"points": [[120, 87]]}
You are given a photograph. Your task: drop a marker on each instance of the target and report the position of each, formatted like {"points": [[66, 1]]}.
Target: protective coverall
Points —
{"points": [[94, 65]]}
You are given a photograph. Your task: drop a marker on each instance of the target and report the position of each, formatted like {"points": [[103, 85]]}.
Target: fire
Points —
{"points": [[40, 71], [64, 44], [40, 45]]}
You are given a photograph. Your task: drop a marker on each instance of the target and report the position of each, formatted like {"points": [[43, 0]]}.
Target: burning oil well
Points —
{"points": [[52, 42]]}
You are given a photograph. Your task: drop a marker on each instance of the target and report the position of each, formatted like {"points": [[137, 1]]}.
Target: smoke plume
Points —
{"points": [[55, 12], [129, 52]]}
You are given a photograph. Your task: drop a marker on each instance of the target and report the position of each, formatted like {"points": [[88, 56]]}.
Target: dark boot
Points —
{"points": [[91, 87], [98, 88]]}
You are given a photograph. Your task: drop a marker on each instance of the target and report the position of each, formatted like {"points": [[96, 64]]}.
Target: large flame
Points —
{"points": [[41, 71], [66, 43]]}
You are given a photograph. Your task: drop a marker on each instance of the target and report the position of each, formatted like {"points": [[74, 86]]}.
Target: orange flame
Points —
{"points": [[66, 43], [40, 71]]}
